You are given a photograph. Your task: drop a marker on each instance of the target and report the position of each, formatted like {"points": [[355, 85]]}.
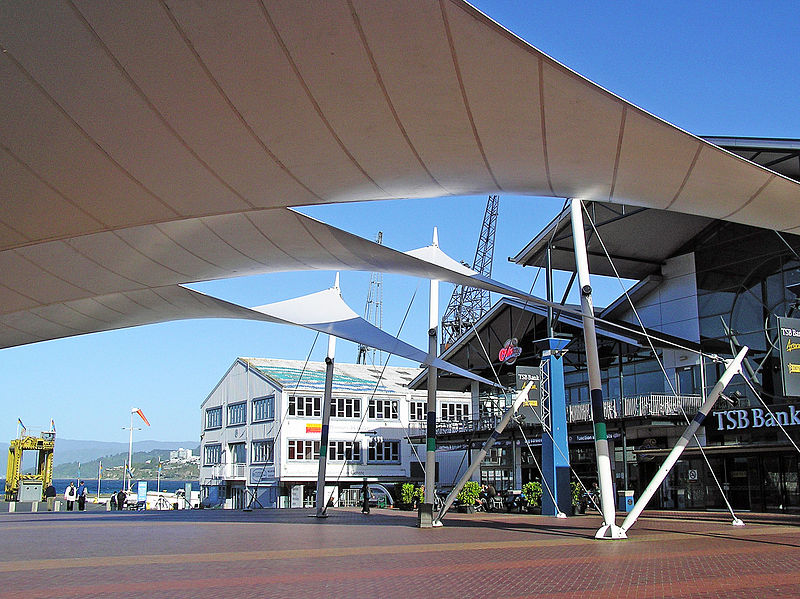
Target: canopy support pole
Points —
{"points": [[430, 436], [498, 430], [609, 530], [733, 367], [326, 421]]}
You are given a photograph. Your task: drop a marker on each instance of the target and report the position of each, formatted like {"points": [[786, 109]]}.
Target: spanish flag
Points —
{"points": [[138, 411]]}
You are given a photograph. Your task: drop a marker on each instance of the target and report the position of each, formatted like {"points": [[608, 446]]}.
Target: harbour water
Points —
{"points": [[111, 486]]}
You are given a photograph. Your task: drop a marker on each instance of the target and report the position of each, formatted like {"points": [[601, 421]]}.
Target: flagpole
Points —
{"points": [[99, 470]]}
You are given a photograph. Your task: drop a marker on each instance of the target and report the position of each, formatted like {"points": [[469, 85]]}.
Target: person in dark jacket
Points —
{"points": [[81, 496], [50, 496], [365, 498], [121, 500]]}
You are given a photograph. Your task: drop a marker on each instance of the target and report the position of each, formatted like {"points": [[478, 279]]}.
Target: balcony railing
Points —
{"points": [[628, 407], [229, 471]]}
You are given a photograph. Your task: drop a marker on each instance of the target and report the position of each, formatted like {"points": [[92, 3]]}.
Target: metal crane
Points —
{"points": [[468, 304]]}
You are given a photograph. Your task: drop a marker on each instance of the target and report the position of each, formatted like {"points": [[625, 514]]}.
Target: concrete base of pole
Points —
{"points": [[610, 532], [319, 514], [737, 522], [425, 516], [561, 515]]}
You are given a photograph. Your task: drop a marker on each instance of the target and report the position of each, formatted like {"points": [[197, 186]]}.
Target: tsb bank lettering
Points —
{"points": [[756, 418]]}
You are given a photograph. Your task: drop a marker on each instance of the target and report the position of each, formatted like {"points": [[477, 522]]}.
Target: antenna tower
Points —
{"points": [[468, 304], [373, 311]]}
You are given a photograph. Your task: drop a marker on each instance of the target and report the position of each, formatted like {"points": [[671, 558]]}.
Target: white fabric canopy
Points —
{"points": [[148, 144], [326, 312]]}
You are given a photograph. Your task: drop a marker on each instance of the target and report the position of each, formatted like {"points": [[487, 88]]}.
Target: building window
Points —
{"points": [[237, 413], [261, 452], [417, 410], [340, 451], [346, 407], [304, 406], [238, 453], [264, 408], [214, 418], [212, 454], [455, 411], [385, 452], [300, 449], [383, 409]]}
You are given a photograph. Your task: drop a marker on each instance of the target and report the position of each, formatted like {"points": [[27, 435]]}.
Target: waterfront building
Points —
{"points": [[699, 284], [262, 425]]}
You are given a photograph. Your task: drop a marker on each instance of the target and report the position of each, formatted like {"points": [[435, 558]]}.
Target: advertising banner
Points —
{"points": [[789, 342], [531, 408]]}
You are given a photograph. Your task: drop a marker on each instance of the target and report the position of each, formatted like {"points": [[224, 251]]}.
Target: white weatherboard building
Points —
{"points": [[262, 426]]}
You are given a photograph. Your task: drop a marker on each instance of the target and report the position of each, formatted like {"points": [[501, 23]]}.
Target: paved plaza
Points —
{"points": [[286, 553]]}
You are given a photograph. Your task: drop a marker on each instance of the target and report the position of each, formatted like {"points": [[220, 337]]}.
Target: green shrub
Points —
{"points": [[468, 495], [577, 493], [533, 493], [407, 493]]}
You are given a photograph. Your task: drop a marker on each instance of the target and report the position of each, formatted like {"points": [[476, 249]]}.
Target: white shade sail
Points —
{"points": [[326, 312], [148, 144]]}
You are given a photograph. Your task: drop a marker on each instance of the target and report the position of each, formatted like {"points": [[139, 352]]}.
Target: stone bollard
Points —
{"points": [[12, 506], [108, 506], [34, 506], [56, 506]]}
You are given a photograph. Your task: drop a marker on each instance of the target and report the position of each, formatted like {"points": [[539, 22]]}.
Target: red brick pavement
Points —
{"points": [[283, 553]]}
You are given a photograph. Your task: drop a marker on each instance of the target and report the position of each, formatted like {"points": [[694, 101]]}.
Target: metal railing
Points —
{"points": [[652, 404], [229, 471]]}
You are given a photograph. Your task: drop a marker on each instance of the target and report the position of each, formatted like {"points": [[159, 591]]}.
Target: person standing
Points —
{"points": [[50, 496], [365, 498], [81, 497], [121, 500], [70, 495]]}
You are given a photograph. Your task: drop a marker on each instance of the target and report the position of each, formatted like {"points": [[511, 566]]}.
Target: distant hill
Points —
{"points": [[145, 466], [69, 452], [72, 450]]}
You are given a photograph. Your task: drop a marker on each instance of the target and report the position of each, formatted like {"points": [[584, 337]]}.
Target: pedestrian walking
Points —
{"points": [[81, 496], [365, 498], [70, 495]]}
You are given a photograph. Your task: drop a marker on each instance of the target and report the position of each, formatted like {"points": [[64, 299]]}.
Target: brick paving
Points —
{"points": [[286, 553]]}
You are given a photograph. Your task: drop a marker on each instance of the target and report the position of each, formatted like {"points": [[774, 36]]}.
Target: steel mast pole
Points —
{"points": [[732, 368], [498, 430], [326, 420], [430, 449], [130, 455], [609, 530]]}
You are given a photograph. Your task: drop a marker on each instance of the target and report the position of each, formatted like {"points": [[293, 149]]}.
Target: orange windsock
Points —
{"points": [[138, 411]]}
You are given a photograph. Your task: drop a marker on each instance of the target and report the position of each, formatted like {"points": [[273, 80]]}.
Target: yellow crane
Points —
{"points": [[30, 487]]}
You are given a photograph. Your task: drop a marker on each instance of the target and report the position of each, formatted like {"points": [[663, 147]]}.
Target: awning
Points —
{"points": [[144, 145]]}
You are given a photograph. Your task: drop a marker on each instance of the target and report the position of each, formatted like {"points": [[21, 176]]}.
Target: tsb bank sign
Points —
{"points": [[753, 418]]}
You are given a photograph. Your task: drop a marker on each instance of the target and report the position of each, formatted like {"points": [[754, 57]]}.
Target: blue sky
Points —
{"points": [[712, 68]]}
